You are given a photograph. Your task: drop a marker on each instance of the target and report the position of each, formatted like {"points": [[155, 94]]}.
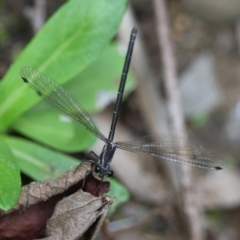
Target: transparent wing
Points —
{"points": [[177, 152], [60, 97]]}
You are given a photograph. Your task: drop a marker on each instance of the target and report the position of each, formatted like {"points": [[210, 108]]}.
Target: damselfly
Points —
{"points": [[167, 150]]}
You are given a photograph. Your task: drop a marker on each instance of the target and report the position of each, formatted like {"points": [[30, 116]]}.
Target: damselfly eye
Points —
{"points": [[110, 173], [97, 169]]}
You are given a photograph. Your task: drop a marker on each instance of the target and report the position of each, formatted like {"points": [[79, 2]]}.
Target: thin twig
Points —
{"points": [[237, 29], [176, 114]]}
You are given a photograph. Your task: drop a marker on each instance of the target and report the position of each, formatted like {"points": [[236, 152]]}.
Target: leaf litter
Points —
{"points": [[57, 209]]}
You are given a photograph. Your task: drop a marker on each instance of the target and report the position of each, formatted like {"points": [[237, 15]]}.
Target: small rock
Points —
{"points": [[199, 88]]}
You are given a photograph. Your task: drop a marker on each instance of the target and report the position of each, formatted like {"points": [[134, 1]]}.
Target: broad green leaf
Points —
{"points": [[67, 43], [10, 181], [51, 127], [119, 191], [94, 88], [38, 162]]}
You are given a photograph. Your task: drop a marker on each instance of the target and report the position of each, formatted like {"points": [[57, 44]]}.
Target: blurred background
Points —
{"points": [[205, 38]]}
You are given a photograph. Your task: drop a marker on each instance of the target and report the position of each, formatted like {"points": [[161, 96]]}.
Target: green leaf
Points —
{"points": [[119, 191], [10, 183], [94, 88], [199, 120], [38, 162], [67, 43], [50, 127]]}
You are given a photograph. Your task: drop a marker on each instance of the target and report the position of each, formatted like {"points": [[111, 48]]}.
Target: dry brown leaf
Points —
{"points": [[27, 220], [74, 215], [41, 191]]}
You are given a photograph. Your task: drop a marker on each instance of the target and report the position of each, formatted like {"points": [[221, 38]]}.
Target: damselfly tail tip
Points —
{"points": [[224, 160]]}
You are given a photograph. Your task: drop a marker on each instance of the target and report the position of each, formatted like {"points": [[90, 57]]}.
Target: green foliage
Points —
{"points": [[214, 216], [39, 162], [46, 125], [70, 49], [10, 182], [66, 44], [120, 192], [199, 120]]}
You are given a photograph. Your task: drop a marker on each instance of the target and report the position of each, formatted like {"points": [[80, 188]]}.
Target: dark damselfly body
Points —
{"points": [[168, 150]]}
